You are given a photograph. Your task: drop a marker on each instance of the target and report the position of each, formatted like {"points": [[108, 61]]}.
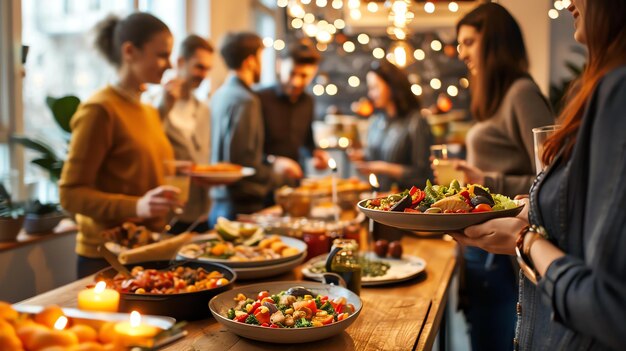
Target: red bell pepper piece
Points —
{"points": [[412, 210], [241, 319], [263, 316]]}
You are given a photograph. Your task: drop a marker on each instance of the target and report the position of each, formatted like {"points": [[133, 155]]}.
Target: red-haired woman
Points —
{"points": [[575, 248]]}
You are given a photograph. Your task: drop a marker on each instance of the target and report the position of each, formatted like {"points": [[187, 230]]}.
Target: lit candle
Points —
{"points": [[370, 235], [134, 333], [61, 323], [99, 299], [333, 167]]}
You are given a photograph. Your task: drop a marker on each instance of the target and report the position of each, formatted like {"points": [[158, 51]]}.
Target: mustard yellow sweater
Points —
{"points": [[116, 155]]}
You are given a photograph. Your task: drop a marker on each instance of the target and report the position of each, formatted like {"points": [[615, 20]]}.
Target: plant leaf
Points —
{"points": [[63, 109], [36, 145]]}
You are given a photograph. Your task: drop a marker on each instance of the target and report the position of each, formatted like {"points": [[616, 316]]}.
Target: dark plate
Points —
{"points": [[183, 306], [434, 222]]}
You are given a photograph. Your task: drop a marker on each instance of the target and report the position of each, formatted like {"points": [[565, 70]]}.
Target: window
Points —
{"points": [[265, 26], [62, 60]]}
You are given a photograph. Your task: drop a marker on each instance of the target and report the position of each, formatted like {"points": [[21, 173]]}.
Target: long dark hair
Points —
{"points": [[137, 28], [401, 94], [503, 57], [606, 42]]}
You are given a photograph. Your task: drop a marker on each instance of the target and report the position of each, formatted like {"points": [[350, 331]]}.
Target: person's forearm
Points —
{"points": [[543, 253]]}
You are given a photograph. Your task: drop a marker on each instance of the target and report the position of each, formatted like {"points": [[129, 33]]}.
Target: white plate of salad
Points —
{"points": [[439, 208]]}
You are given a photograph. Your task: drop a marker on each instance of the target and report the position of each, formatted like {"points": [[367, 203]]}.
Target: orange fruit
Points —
{"points": [[84, 333], [49, 315]]}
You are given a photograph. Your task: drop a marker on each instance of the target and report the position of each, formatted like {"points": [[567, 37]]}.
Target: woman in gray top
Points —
{"points": [[508, 105], [398, 139], [576, 252]]}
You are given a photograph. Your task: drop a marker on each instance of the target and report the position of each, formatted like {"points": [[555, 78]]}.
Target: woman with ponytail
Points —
{"points": [[573, 290], [115, 168]]}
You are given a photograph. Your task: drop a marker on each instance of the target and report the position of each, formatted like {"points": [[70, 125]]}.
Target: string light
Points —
{"points": [[416, 89], [339, 23], [296, 10], [429, 7], [309, 18], [318, 90], [453, 6], [355, 14], [297, 23], [331, 89], [372, 6], [464, 82], [348, 46], [337, 4], [363, 38], [435, 83], [268, 42], [279, 44], [321, 3], [452, 90], [419, 54], [378, 53], [558, 4], [305, 2], [282, 3], [436, 45], [554, 14], [354, 81]]}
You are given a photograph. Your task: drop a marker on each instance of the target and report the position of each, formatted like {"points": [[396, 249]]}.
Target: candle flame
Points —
{"points": [[61, 323], [374, 180], [100, 286], [332, 164], [135, 319]]}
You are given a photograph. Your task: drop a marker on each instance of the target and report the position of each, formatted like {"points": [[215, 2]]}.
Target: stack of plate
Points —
{"points": [[259, 268]]}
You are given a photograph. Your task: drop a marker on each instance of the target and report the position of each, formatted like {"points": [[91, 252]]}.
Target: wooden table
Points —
{"points": [[404, 316]]}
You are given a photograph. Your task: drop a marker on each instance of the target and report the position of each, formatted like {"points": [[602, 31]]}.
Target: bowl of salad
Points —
{"points": [[439, 208], [286, 312]]}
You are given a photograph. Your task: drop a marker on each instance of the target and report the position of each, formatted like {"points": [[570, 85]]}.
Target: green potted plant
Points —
{"points": [[42, 218], [63, 110], [11, 216]]}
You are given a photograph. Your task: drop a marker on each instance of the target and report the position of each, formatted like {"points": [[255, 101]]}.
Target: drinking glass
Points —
{"points": [[444, 157], [540, 135], [177, 175]]}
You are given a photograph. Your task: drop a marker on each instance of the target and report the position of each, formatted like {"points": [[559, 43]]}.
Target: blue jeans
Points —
{"points": [[224, 209], [87, 266], [491, 295]]}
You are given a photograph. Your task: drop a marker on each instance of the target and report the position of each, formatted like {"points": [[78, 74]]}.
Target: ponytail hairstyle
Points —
{"points": [[606, 42], [137, 28], [503, 57]]}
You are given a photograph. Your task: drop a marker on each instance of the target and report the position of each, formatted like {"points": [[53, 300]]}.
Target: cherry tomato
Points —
{"points": [[482, 208], [262, 295]]}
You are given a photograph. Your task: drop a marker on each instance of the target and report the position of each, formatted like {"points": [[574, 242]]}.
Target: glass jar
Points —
{"points": [[346, 263], [317, 242]]}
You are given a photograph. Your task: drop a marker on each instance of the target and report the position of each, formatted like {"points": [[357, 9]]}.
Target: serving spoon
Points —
{"points": [[114, 262]]}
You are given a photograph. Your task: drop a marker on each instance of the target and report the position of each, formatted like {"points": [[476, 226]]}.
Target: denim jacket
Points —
{"points": [[580, 303]]}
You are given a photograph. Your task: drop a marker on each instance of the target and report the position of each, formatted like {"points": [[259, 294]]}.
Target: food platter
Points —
{"points": [[434, 222], [181, 306], [220, 305], [229, 176], [187, 254], [406, 268], [259, 272]]}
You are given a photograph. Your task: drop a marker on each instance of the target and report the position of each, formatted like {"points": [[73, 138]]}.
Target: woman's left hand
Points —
{"points": [[496, 236]]}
